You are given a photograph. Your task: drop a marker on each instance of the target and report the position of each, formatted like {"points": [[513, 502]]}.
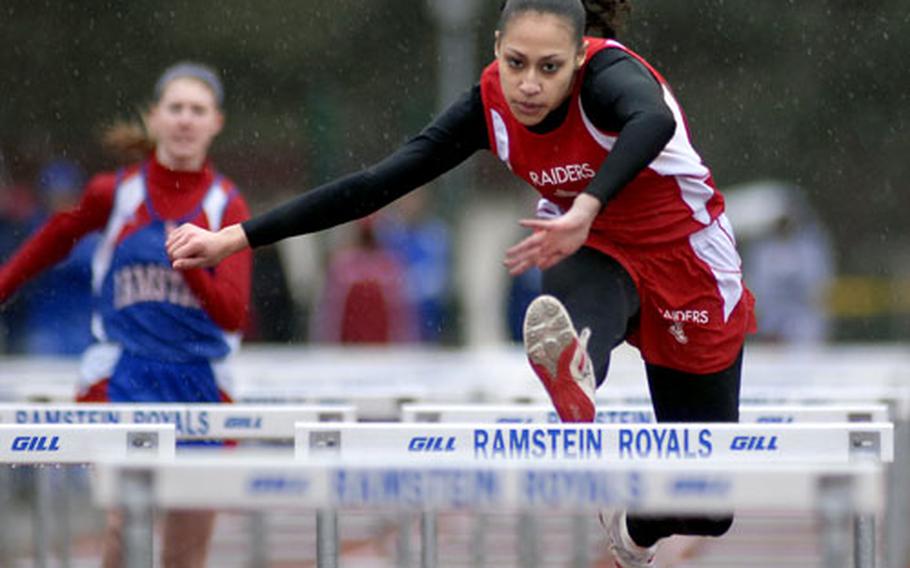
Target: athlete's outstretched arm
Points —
{"points": [[446, 142]]}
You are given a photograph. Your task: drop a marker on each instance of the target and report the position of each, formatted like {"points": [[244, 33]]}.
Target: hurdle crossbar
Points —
{"points": [[636, 413], [273, 483], [191, 421], [744, 443], [75, 444]]}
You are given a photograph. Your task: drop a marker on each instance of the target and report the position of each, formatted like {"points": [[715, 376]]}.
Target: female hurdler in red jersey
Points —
{"points": [[162, 335], [630, 233]]}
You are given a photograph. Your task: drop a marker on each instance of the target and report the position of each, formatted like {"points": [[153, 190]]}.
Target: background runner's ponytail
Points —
{"points": [[605, 18], [127, 140]]}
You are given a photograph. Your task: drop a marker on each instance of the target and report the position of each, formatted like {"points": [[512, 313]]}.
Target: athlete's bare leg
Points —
{"points": [[113, 541], [186, 538]]}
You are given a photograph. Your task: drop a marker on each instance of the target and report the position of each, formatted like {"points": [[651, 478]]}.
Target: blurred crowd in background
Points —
{"points": [[806, 137]]}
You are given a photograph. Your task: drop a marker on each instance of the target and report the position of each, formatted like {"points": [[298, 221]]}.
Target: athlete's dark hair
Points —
{"points": [[601, 18]]}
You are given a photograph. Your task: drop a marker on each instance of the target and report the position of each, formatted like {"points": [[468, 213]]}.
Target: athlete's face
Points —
{"points": [[538, 56], [184, 122]]}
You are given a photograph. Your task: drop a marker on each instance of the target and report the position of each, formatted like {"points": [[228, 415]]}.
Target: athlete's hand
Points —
{"points": [[553, 239], [189, 246]]}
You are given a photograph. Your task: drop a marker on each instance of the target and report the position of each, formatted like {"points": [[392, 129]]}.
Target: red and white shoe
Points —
{"points": [[625, 552], [559, 356]]}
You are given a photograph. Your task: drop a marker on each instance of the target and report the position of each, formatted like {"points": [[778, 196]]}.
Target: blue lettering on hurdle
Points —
{"points": [[404, 487], [432, 444], [538, 443], [278, 485], [36, 444], [754, 444], [185, 422], [243, 422], [664, 443], [76, 416]]}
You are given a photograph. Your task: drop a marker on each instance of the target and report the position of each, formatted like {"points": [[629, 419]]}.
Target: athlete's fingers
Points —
{"points": [[529, 254], [191, 254], [520, 267], [187, 240], [178, 237], [188, 249], [526, 256], [175, 245], [537, 224], [528, 243], [522, 262], [188, 263]]}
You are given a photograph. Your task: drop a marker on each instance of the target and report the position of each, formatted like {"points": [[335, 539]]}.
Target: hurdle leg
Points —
{"points": [[835, 520], [326, 538], [581, 541], [404, 548], [479, 540], [528, 549], [898, 479], [864, 541], [429, 553], [41, 514], [65, 478], [259, 557], [138, 518]]}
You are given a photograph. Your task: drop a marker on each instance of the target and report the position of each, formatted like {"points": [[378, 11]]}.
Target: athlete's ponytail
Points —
{"points": [[127, 140], [605, 18]]}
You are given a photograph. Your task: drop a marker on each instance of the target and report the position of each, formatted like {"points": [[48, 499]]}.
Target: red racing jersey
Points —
{"points": [[669, 200]]}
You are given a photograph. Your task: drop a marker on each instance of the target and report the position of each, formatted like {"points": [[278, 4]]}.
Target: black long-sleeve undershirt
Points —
{"points": [[619, 95]]}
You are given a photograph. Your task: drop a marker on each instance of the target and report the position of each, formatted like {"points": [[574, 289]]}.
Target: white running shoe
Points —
{"points": [[560, 359], [626, 553]]}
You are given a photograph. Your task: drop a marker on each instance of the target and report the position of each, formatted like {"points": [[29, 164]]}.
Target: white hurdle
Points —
{"points": [[819, 382], [691, 442], [192, 421], [55, 444], [183, 422], [637, 413], [609, 444], [528, 536], [80, 444], [833, 491]]}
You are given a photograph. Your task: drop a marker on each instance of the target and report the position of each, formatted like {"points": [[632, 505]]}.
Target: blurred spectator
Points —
{"points": [[364, 299], [522, 291], [302, 261], [58, 304], [273, 315], [788, 260], [18, 206], [422, 243]]}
